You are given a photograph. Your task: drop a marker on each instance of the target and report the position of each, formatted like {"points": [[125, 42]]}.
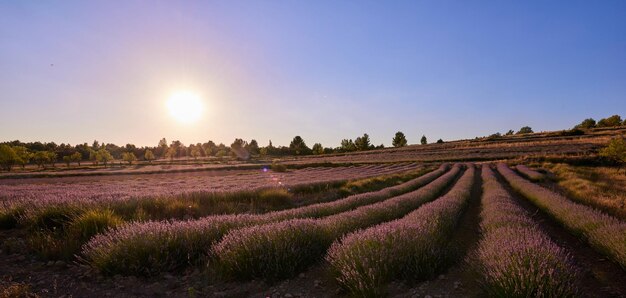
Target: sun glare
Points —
{"points": [[185, 106]]}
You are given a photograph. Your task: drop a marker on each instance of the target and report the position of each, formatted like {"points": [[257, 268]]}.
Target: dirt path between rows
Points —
{"points": [[600, 276]]}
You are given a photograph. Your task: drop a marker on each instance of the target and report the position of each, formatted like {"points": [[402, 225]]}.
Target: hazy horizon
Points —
{"points": [[75, 71]]}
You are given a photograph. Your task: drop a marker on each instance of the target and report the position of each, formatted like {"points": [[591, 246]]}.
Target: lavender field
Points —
{"points": [[458, 230]]}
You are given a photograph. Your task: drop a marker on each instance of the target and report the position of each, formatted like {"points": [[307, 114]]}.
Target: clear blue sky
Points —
{"points": [[75, 71]]}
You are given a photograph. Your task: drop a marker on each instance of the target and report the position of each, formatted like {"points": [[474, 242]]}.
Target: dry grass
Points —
{"points": [[600, 187]]}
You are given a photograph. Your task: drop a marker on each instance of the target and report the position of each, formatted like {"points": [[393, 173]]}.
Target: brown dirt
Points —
{"points": [[600, 277]]}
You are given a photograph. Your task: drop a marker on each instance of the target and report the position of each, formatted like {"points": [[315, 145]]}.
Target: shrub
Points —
{"points": [[277, 167], [272, 199], [529, 173], [285, 249], [91, 223], [525, 130]]}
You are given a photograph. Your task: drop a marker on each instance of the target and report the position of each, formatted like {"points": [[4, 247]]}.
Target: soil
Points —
{"points": [[600, 277]]}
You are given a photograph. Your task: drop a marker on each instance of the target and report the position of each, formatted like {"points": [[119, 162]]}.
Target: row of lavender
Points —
{"points": [[530, 173], [30, 201], [151, 247], [283, 249], [413, 247], [87, 190], [515, 258], [603, 232]]}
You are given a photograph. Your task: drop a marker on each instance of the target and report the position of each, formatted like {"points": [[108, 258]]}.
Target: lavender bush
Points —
{"points": [[603, 232], [152, 247], [257, 252], [530, 173], [412, 247], [515, 258]]}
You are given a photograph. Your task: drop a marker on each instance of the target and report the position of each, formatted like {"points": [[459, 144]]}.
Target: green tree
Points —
{"points": [[440, 141], [253, 147], [52, 158], [509, 133], [525, 130], [399, 140], [149, 156], [298, 146], [129, 157], [67, 160], [8, 157], [347, 145], [362, 143], [41, 158], [76, 157], [318, 149], [423, 140], [587, 123], [104, 156], [263, 151], [615, 151], [23, 155], [93, 156], [612, 121]]}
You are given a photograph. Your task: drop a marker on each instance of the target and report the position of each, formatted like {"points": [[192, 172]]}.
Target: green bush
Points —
{"points": [[91, 223], [276, 167], [272, 199]]}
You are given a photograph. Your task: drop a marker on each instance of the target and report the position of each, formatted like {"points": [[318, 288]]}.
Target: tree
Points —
{"points": [[318, 149], [52, 157], [587, 123], [440, 141], [399, 140], [104, 156], [509, 133], [76, 157], [149, 156], [41, 158], [612, 121], [8, 157], [238, 149], [170, 153], [195, 152], [67, 159], [615, 151], [23, 155], [253, 147], [362, 143], [525, 130], [423, 140], [347, 145], [298, 146], [93, 156], [128, 157]]}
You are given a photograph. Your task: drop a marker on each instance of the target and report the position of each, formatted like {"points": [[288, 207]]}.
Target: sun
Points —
{"points": [[185, 106]]}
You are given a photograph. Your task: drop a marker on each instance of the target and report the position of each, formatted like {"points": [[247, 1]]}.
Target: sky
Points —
{"points": [[78, 71]]}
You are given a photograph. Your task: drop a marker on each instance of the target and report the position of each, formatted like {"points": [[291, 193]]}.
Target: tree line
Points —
{"points": [[612, 121], [18, 153]]}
